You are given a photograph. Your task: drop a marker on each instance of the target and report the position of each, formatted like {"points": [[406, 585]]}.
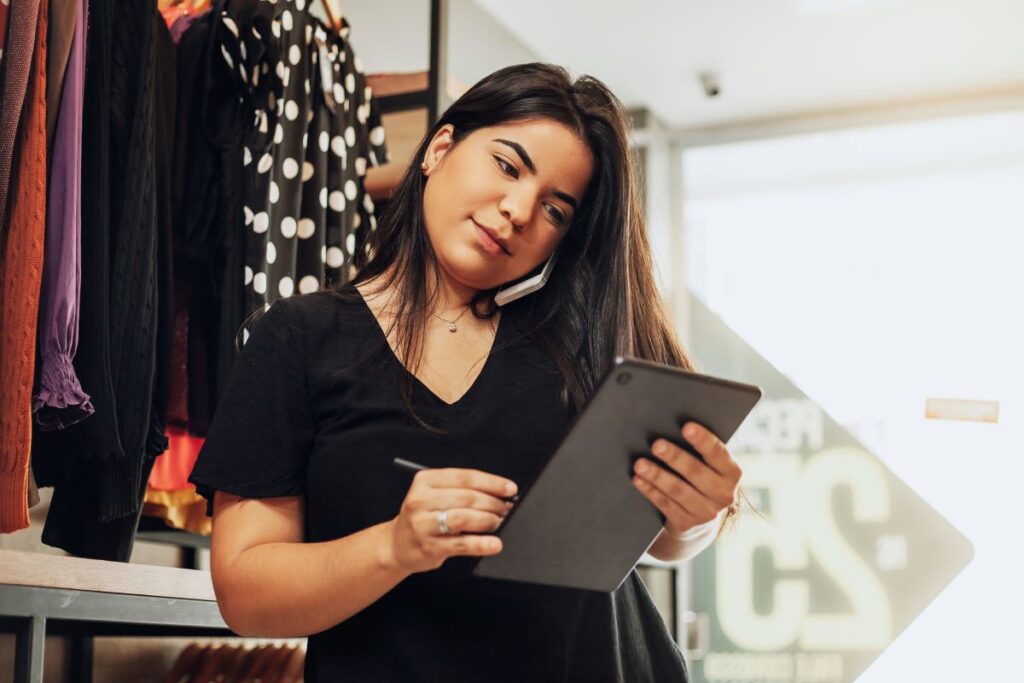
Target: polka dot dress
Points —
{"points": [[315, 130]]}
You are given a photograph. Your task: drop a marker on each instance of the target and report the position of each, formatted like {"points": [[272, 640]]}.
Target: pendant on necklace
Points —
{"points": [[452, 328]]}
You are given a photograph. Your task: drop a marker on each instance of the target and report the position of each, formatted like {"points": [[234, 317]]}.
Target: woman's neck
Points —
{"points": [[451, 294]]}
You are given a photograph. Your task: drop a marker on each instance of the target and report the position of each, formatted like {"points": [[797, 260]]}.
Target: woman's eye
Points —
{"points": [[507, 167], [557, 216]]}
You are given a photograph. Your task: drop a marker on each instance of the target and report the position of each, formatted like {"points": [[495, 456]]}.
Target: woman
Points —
{"points": [[317, 533]]}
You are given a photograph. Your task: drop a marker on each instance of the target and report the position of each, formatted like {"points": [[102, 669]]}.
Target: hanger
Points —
{"points": [[332, 17], [187, 6]]}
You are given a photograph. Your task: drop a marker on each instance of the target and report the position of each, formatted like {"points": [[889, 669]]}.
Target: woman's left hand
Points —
{"points": [[700, 491]]}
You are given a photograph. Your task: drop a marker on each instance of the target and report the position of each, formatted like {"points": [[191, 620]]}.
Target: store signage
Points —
{"points": [[847, 556]]}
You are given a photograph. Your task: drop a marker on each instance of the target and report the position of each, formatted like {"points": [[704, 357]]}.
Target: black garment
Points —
{"points": [[314, 409], [99, 467], [165, 98], [211, 126], [269, 168], [316, 129]]}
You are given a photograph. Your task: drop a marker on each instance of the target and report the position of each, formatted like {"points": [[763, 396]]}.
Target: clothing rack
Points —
{"points": [[51, 595]]}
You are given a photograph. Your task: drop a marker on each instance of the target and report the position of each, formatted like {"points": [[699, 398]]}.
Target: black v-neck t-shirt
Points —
{"points": [[314, 408]]}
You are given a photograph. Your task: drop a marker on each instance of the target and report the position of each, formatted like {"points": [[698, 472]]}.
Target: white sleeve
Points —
{"points": [[697, 538]]}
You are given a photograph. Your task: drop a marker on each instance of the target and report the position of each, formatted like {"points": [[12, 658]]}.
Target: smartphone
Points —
{"points": [[527, 285]]}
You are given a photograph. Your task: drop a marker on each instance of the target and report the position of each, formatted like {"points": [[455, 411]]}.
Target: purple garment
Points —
{"points": [[182, 23], [60, 400]]}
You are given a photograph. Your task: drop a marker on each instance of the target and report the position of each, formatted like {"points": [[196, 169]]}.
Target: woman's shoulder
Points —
{"points": [[325, 314], [322, 307]]}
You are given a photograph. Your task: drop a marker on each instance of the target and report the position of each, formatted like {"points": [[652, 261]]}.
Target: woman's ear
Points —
{"points": [[438, 147]]}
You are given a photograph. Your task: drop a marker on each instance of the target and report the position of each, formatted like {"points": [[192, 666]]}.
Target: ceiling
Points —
{"points": [[777, 58]]}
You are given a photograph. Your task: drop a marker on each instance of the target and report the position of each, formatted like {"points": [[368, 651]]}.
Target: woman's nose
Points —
{"points": [[516, 208]]}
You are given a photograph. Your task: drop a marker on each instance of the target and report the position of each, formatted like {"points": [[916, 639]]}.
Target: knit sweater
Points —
{"points": [[99, 467], [21, 267], [21, 32]]}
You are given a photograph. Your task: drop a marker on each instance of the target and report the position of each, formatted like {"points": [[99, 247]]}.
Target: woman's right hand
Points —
{"points": [[473, 501]]}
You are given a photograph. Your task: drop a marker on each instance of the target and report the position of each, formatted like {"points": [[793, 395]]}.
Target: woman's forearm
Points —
{"points": [[278, 590]]}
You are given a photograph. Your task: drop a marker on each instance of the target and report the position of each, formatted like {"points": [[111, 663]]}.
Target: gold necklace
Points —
{"points": [[452, 327]]}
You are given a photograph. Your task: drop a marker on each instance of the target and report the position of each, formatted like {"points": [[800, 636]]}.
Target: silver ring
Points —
{"points": [[442, 522]]}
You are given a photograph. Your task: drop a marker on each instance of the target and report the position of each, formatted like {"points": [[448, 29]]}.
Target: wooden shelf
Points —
{"points": [[76, 573], [391, 84], [82, 598]]}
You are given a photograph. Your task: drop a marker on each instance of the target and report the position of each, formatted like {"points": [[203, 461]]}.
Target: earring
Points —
{"points": [[425, 166]]}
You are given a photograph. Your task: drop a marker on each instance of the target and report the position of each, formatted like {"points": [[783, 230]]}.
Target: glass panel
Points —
{"points": [[856, 275]]}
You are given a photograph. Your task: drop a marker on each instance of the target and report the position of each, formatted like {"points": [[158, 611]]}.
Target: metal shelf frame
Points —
{"points": [[33, 612]]}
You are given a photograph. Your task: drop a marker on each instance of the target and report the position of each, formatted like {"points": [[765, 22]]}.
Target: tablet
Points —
{"points": [[582, 524]]}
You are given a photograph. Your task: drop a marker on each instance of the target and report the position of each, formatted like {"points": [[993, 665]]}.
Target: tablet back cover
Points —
{"points": [[582, 524]]}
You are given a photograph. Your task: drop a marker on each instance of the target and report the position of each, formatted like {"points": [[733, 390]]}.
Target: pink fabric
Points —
{"points": [[172, 467]]}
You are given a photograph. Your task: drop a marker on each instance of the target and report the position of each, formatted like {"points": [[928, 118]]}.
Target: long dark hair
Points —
{"points": [[601, 299]]}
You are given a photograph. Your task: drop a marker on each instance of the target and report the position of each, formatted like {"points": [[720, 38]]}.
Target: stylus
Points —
{"points": [[411, 466]]}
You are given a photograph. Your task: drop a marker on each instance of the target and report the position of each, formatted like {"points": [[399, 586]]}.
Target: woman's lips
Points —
{"points": [[490, 245]]}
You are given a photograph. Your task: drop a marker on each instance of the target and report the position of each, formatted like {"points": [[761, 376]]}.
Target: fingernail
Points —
{"points": [[510, 489], [660, 448], [641, 466], [689, 431]]}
